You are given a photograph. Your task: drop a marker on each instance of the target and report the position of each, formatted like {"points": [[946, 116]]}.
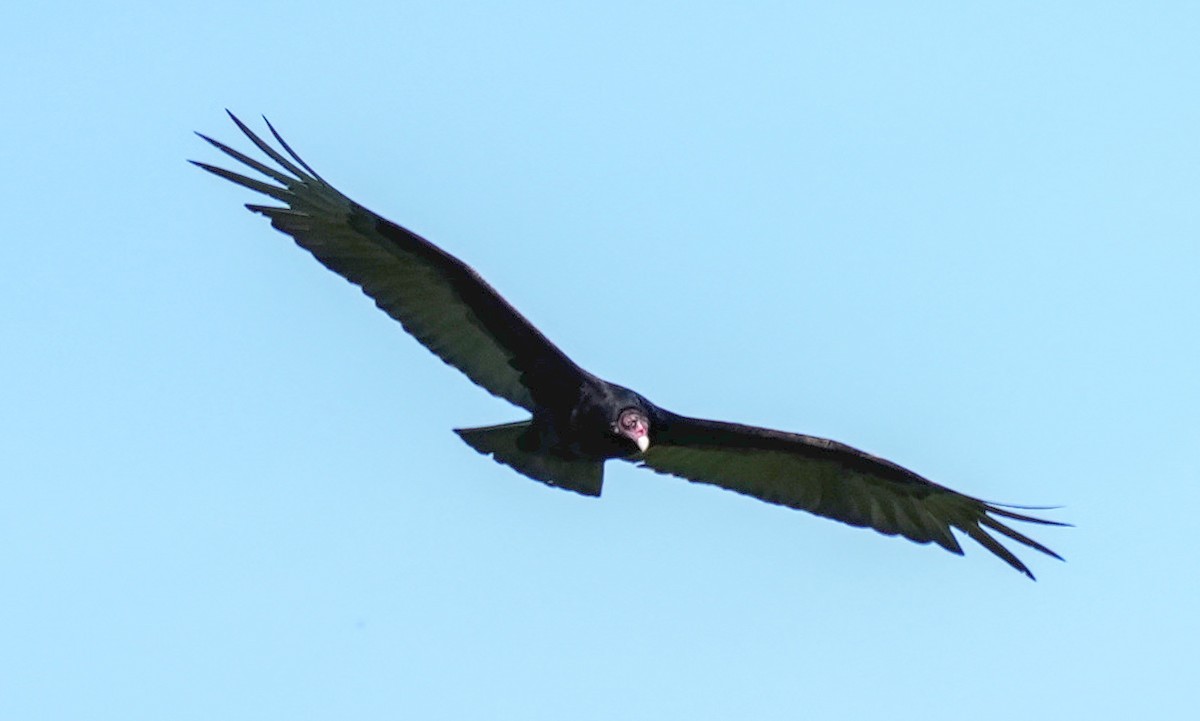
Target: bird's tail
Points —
{"points": [[503, 443]]}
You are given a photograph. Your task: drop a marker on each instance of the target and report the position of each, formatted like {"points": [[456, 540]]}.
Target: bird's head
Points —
{"points": [[633, 424]]}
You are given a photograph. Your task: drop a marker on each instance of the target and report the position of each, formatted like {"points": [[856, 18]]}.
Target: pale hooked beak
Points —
{"points": [[634, 425]]}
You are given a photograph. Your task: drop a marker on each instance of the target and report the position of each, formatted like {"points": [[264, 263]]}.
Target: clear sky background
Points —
{"points": [[960, 236]]}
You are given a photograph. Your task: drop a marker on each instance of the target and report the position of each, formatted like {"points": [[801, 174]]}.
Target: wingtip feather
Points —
{"points": [[1001, 509], [266, 148], [1017, 536], [987, 541], [284, 144]]}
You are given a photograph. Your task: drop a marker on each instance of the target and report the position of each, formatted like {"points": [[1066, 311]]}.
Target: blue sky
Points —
{"points": [[962, 238]]}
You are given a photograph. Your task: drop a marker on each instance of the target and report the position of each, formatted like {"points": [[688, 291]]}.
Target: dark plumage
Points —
{"points": [[579, 421]]}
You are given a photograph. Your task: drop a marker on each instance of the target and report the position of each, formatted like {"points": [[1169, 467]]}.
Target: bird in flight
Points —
{"points": [[577, 420]]}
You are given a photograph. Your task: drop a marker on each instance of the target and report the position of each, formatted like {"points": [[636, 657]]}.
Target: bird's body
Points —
{"points": [[579, 421]]}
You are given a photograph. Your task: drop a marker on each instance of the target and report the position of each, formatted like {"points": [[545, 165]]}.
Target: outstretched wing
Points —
{"points": [[436, 297], [830, 479]]}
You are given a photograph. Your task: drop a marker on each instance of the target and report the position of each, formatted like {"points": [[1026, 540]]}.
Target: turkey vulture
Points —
{"points": [[579, 421]]}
